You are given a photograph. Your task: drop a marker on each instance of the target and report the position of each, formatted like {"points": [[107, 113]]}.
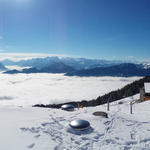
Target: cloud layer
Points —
{"points": [[30, 89]]}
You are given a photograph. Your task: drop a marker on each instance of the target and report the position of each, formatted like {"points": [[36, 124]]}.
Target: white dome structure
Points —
{"points": [[79, 124], [67, 107]]}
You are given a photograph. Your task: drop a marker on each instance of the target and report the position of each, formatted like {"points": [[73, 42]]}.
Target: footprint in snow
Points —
{"points": [[37, 136], [31, 145]]}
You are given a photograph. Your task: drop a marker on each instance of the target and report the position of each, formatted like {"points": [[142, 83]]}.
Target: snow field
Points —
{"points": [[44, 129], [24, 127]]}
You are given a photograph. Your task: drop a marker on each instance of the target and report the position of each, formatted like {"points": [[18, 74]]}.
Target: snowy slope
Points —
{"points": [[24, 127], [48, 129]]}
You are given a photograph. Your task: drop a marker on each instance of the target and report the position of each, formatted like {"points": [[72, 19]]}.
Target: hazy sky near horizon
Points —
{"points": [[105, 29]]}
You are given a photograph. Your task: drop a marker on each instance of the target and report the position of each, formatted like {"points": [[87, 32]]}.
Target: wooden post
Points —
{"points": [[78, 106], [108, 105], [130, 107]]}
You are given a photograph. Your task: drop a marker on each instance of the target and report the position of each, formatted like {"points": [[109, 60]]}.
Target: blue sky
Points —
{"points": [[104, 29]]}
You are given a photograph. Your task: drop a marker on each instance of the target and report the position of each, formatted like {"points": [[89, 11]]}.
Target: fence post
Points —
{"points": [[130, 107], [78, 106], [108, 105]]}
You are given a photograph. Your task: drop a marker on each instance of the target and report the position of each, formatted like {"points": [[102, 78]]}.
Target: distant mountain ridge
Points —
{"points": [[122, 70], [79, 67], [52, 68], [76, 63], [2, 67]]}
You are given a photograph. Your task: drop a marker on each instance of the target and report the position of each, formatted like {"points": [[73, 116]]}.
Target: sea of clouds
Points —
{"points": [[43, 88]]}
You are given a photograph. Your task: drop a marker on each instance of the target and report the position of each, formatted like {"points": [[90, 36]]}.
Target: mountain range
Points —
{"points": [[124, 70], [51, 68], [79, 67], [2, 67], [76, 63]]}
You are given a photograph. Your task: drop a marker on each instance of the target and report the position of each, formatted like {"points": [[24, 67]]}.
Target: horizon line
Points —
{"points": [[26, 56]]}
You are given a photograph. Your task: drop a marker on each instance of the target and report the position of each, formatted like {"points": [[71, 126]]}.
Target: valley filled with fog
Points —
{"points": [[44, 88]]}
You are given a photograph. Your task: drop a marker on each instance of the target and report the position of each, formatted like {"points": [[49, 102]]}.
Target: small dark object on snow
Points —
{"points": [[67, 107], [80, 124], [101, 113], [120, 102]]}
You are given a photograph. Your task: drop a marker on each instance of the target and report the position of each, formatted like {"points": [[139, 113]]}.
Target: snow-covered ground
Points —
{"points": [[30, 89], [24, 128]]}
